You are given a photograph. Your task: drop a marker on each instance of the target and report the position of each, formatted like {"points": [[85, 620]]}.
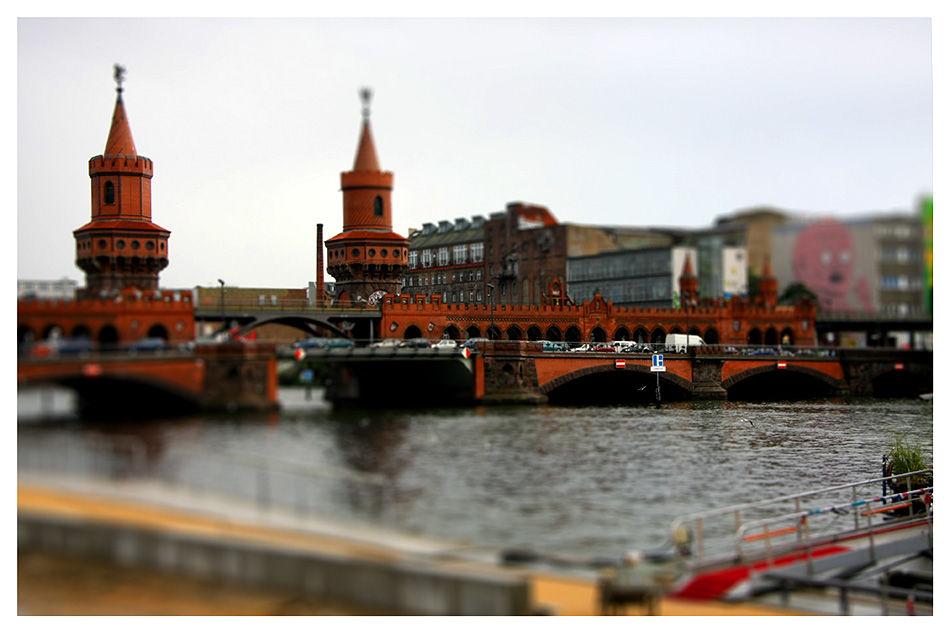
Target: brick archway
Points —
{"points": [[834, 383], [666, 377]]}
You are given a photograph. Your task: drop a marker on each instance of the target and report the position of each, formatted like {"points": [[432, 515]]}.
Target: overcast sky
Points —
{"points": [[638, 122]]}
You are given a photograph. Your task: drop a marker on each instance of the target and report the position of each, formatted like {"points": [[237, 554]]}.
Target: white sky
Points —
{"points": [[639, 122]]}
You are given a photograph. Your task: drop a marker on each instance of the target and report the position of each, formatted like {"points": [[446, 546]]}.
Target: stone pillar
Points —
{"points": [[707, 379], [239, 376], [510, 373]]}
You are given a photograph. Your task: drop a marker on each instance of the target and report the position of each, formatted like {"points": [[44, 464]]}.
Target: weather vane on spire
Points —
{"points": [[118, 73], [366, 95]]}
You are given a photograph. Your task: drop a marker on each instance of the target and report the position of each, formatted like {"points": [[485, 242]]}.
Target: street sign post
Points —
{"points": [[658, 363]]}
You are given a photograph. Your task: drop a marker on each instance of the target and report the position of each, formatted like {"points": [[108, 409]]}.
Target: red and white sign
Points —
{"points": [[781, 364], [299, 354], [899, 366], [466, 352], [620, 363]]}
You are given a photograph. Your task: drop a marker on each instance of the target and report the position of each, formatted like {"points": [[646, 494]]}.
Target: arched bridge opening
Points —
{"points": [[109, 397], [308, 325], [791, 383], [606, 385], [900, 384]]}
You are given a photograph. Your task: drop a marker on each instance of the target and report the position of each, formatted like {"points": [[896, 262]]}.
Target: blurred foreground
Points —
{"points": [[62, 584]]}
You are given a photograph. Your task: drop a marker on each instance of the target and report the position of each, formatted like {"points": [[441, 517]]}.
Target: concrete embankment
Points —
{"points": [[147, 527]]}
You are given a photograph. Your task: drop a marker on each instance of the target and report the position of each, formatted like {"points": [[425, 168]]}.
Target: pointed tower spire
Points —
{"points": [[366, 151], [768, 284], [120, 141], [689, 282], [688, 267]]}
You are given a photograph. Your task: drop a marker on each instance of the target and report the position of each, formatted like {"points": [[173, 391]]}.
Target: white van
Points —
{"points": [[676, 343]]}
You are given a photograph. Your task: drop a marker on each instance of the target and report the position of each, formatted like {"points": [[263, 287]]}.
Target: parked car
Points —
{"points": [[339, 342], [446, 343], [472, 343], [554, 346], [313, 342], [415, 343], [386, 343], [151, 344]]}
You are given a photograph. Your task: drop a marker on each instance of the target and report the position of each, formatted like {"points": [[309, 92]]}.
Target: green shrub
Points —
{"points": [[906, 458]]}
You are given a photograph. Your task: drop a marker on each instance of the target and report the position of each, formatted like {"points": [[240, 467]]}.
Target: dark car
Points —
{"points": [[151, 344]]}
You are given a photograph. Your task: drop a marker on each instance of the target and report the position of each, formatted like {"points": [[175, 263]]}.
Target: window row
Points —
{"points": [[460, 254]]}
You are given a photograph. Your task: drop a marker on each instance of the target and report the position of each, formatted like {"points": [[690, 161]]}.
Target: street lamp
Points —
{"points": [[221, 281], [491, 302]]}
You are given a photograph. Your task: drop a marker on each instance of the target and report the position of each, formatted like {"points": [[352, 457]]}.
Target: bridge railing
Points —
{"points": [[211, 307]]}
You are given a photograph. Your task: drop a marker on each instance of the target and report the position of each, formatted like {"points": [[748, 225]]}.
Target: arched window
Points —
{"points": [[110, 192], [378, 207]]}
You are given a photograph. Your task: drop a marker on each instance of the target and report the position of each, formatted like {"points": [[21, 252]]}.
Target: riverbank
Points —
{"points": [[51, 583]]}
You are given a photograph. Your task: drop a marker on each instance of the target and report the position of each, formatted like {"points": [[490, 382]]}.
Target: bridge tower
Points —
{"points": [[689, 283], [768, 285], [120, 246], [367, 259]]}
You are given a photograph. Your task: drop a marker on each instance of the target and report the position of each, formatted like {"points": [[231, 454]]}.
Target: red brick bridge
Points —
{"points": [[520, 372], [229, 376]]}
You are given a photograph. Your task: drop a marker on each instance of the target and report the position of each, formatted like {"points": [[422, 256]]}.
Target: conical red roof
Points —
{"points": [[688, 267], [366, 152], [120, 135]]}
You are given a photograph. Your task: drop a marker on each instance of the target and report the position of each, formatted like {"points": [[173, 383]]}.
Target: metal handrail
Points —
{"points": [[699, 537], [807, 537]]}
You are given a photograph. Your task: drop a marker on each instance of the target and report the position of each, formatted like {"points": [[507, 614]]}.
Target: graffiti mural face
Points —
{"points": [[823, 260]]}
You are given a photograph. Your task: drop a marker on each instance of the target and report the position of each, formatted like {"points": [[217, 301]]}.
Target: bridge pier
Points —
{"points": [[238, 376], [511, 376], [707, 379]]}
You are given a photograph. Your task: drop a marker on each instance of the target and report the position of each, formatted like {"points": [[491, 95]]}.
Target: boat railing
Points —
{"points": [[709, 537], [803, 532]]}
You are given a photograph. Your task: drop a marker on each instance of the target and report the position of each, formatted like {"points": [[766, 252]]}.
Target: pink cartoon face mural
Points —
{"points": [[823, 260]]}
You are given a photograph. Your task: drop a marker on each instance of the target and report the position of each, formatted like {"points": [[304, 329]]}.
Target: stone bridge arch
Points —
{"points": [[830, 384], [666, 378], [886, 379], [122, 395], [306, 324]]}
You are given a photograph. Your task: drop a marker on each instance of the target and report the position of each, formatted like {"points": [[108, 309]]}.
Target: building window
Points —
{"points": [[460, 253], [443, 256], [110, 192], [427, 258], [413, 260], [378, 207], [478, 252]]}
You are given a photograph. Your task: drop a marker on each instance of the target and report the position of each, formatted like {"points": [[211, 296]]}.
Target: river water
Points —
{"points": [[590, 481]]}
